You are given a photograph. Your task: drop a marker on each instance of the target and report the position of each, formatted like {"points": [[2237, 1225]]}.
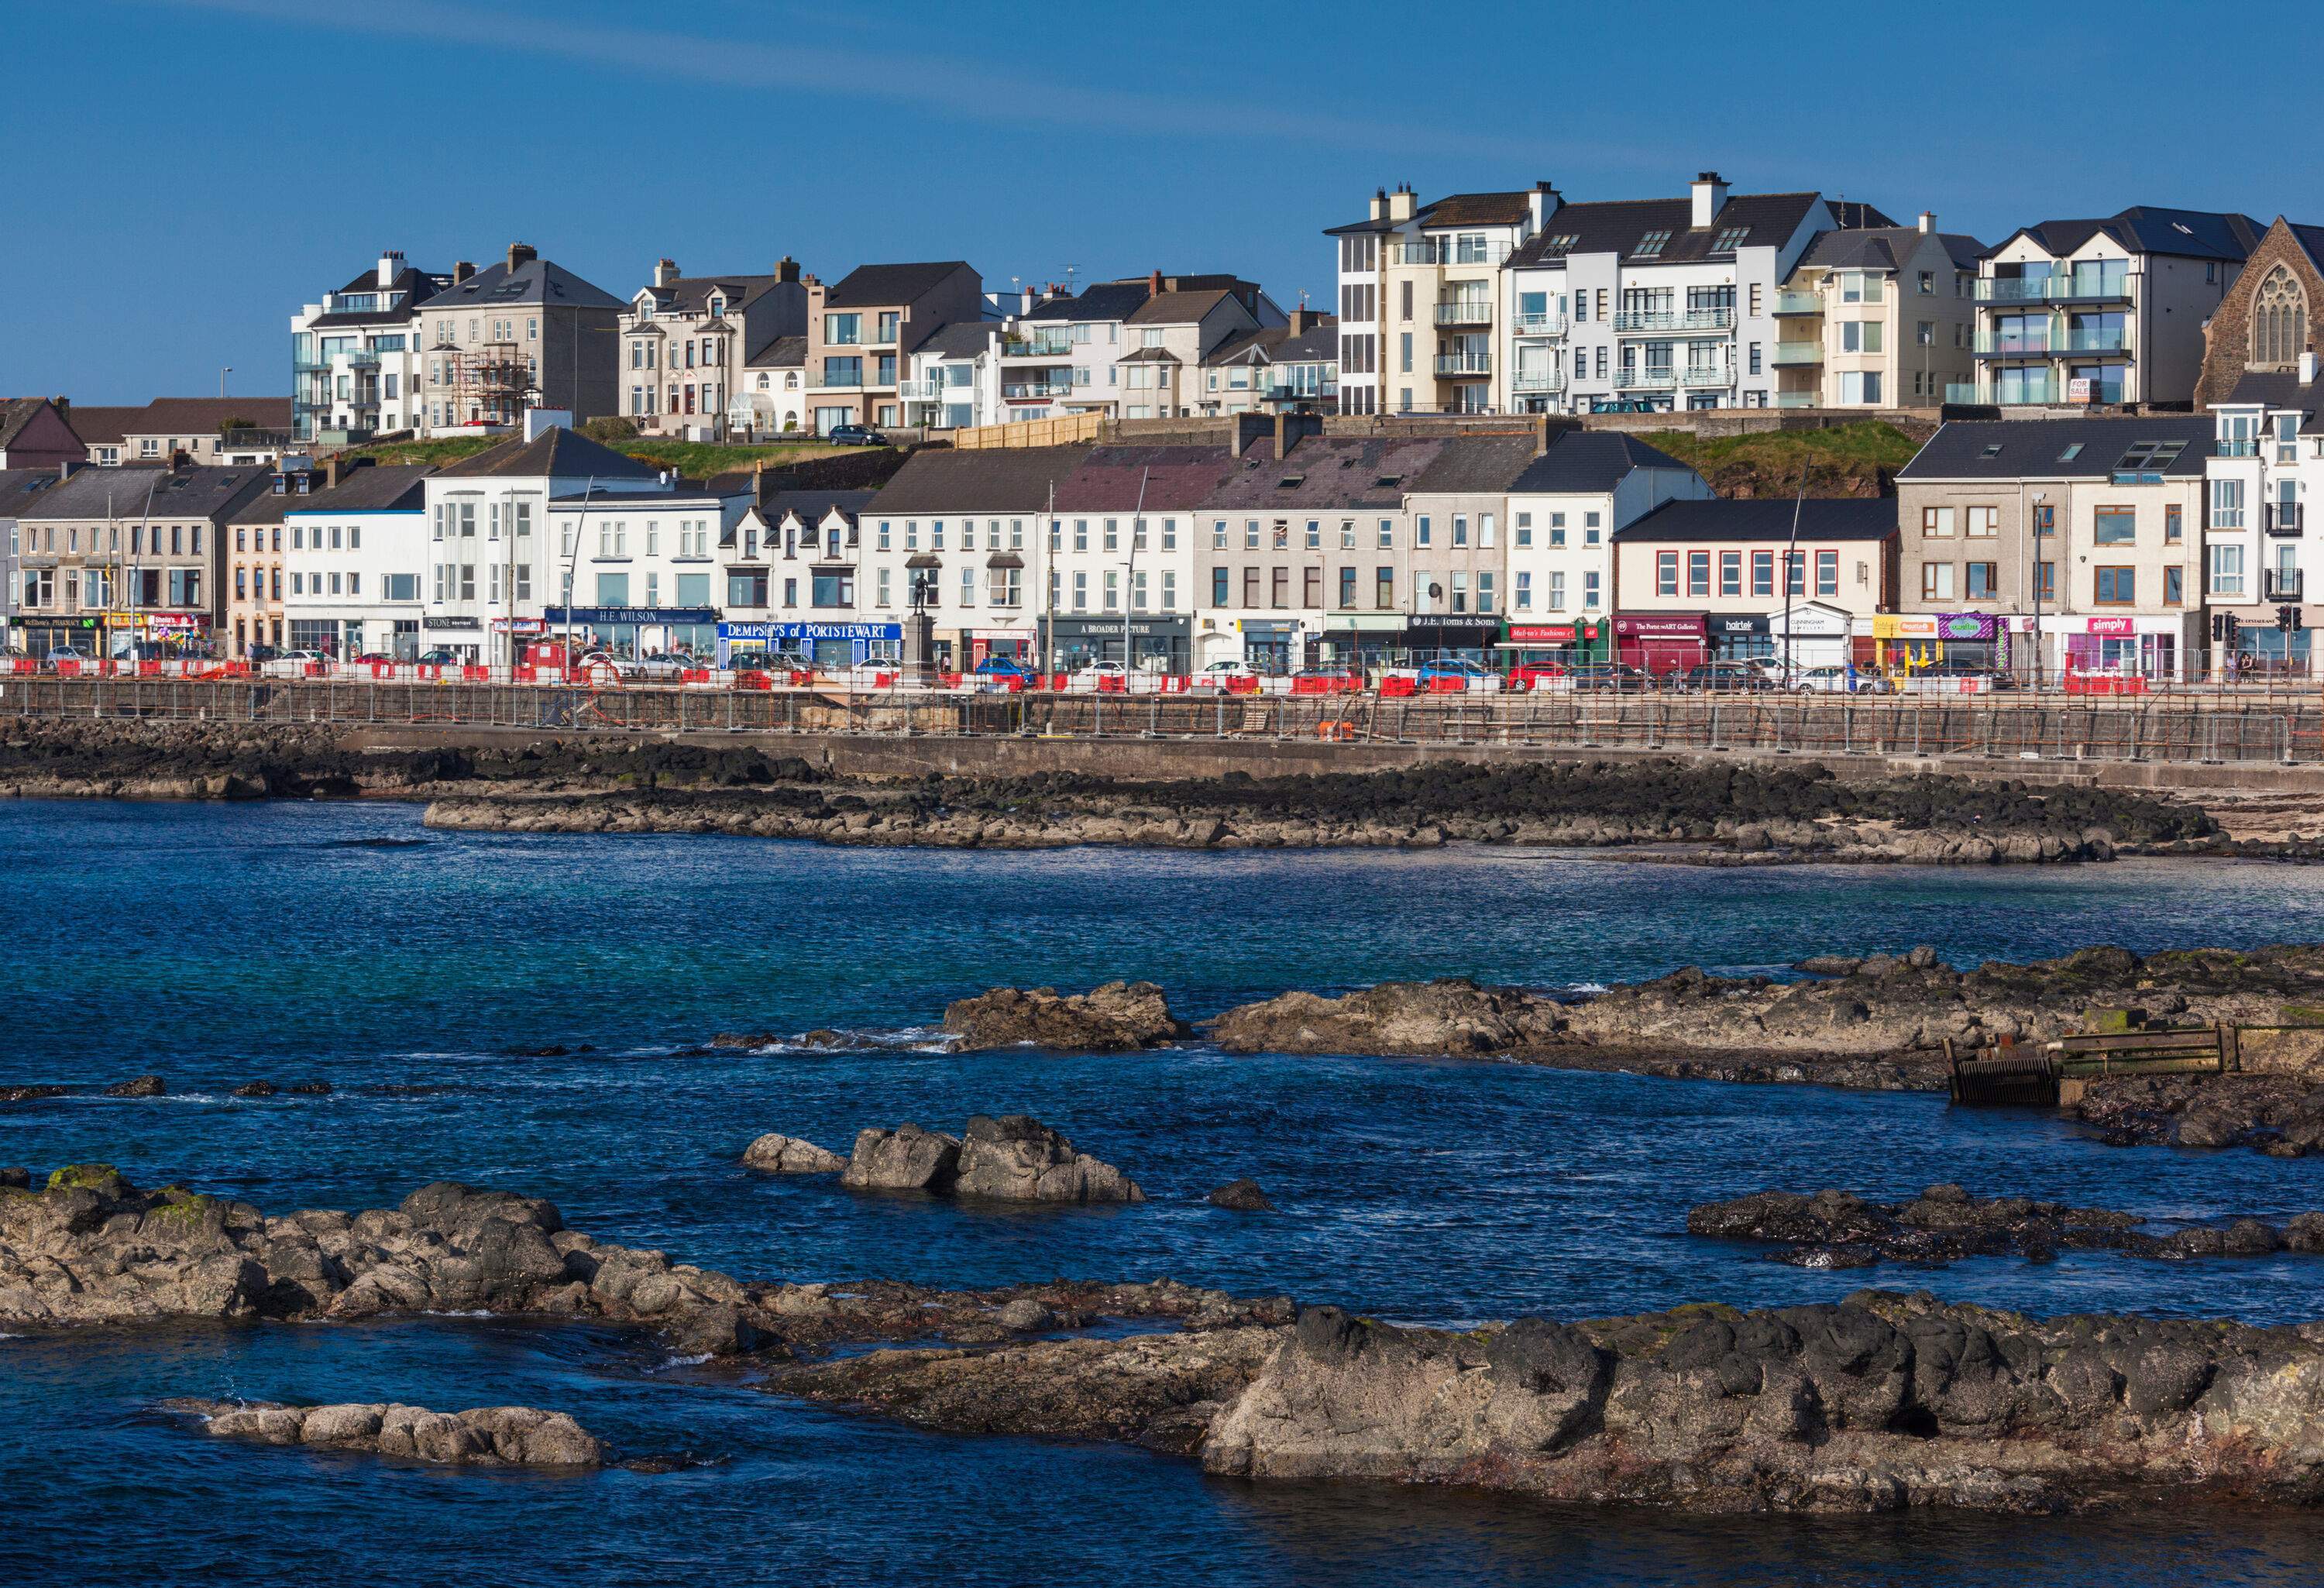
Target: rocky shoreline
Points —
{"points": [[1833, 1229], [1668, 809], [1879, 1402]]}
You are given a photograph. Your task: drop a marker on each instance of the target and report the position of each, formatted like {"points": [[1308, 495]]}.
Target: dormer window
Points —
{"points": [[717, 307], [1650, 244]]}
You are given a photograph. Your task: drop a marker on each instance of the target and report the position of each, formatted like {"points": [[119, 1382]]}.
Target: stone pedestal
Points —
{"points": [[919, 648]]}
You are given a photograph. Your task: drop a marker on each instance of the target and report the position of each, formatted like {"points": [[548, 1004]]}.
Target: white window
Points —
{"points": [[2226, 566], [2227, 508]]}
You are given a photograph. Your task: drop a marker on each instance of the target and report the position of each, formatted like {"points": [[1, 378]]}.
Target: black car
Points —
{"points": [[1616, 676], [1722, 677], [855, 436]]}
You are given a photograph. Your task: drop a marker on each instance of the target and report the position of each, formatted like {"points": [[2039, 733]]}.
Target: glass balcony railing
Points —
{"points": [[1465, 312], [2236, 447], [1646, 380], [2068, 287], [2054, 343], [1449, 250], [1791, 301], [1681, 320], [1795, 399], [1464, 364], [1034, 390], [1036, 347], [1533, 382], [1798, 353], [1539, 325]]}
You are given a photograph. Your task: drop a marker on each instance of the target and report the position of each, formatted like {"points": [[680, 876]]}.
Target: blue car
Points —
{"points": [[1002, 667]]}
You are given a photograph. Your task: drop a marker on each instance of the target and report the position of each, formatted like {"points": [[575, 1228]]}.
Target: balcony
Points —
{"points": [[1796, 400], [1533, 383], [1465, 312], [1962, 391], [2281, 518], [1696, 377], [1445, 250], [2083, 286], [1539, 325], [1791, 301], [2057, 343], [2236, 447], [1629, 379], [1290, 392], [2281, 583], [1798, 353], [1464, 365], [1036, 391], [828, 382], [1683, 319], [1036, 347], [924, 391]]}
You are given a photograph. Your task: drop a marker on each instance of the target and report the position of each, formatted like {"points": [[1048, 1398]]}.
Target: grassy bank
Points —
{"points": [[1847, 460]]}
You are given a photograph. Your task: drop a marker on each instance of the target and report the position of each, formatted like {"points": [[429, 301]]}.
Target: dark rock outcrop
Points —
{"points": [[255, 1089], [484, 1435], [1832, 1228], [1242, 1196], [2281, 1115], [29, 1094], [1017, 1158], [1120, 1017], [906, 1159], [143, 1086]]}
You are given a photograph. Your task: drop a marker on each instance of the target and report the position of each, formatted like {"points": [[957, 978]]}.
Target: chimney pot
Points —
{"points": [[787, 269], [390, 265], [519, 254], [1709, 196]]}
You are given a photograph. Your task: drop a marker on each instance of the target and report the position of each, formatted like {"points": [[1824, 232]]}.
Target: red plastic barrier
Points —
{"points": [[694, 675], [1443, 684], [1241, 686], [69, 669], [751, 679], [24, 664], [1396, 687], [148, 669], [431, 672], [472, 674], [526, 674]]}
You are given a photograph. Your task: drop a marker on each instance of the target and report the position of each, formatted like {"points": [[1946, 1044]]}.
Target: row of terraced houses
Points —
{"points": [[1440, 464]]}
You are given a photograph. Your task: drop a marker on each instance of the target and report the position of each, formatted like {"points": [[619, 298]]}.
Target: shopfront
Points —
{"points": [[1811, 635], [1157, 645], [1739, 636], [158, 633], [40, 634], [463, 637], [2128, 646], [1663, 641], [826, 644], [1909, 641], [1271, 645], [1016, 645], [628, 633], [1459, 636], [1365, 640]]}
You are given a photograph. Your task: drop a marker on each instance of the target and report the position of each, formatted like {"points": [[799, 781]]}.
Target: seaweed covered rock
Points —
{"points": [[484, 1435], [1119, 1017]]}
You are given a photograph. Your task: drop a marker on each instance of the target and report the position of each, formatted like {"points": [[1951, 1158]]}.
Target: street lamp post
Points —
{"points": [[572, 563], [1137, 533]]}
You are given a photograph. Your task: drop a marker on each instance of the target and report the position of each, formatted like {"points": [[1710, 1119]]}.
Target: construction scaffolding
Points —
{"points": [[493, 383]]}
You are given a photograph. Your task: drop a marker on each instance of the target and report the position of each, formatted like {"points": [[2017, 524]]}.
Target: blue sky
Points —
{"points": [[218, 163]]}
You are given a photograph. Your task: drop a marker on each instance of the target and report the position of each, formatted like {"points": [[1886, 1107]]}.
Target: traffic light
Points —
{"points": [[2287, 618]]}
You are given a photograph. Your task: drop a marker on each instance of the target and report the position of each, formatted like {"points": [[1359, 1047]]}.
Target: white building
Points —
{"points": [[645, 570], [955, 380], [355, 358], [355, 564], [493, 564], [1563, 513], [2266, 469], [1658, 303]]}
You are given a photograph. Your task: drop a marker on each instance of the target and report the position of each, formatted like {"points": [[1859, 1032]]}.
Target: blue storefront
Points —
{"points": [[826, 644], [628, 633]]}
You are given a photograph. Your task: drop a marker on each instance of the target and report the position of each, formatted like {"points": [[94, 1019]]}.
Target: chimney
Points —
{"points": [[1928, 221], [65, 467], [331, 472], [1249, 427], [1154, 285], [1403, 203], [787, 269], [1303, 320], [1541, 436], [1541, 203], [1379, 203], [461, 271], [390, 265], [1709, 191], [665, 271], [519, 253], [2307, 369]]}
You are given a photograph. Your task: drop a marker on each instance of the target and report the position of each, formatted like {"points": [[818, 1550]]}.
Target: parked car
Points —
{"points": [[65, 653], [1001, 667], [1834, 678], [659, 665], [1219, 672], [294, 664], [440, 657], [1536, 674], [1723, 678], [1454, 672], [1619, 677], [374, 656], [855, 436]]}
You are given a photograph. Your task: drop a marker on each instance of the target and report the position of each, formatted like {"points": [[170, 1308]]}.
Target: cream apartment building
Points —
{"points": [[2078, 540], [686, 343], [1419, 301], [523, 333], [1877, 317]]}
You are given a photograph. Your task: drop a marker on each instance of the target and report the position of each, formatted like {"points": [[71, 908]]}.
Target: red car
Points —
{"points": [[1534, 675]]}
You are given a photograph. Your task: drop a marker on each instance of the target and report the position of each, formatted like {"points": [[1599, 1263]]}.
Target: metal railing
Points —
{"points": [[1035, 347], [1528, 382], [2280, 585], [2257, 726], [1631, 322], [1539, 325], [2283, 518], [2085, 286], [1023, 390], [2052, 343], [1464, 364], [1465, 312]]}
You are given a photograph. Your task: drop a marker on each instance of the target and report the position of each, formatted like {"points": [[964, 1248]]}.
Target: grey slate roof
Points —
{"points": [[2144, 228], [1328, 472], [1470, 464], [987, 479], [536, 280], [2280, 390], [874, 286], [1767, 518], [1100, 300], [419, 285], [121, 492], [1885, 248], [2036, 449], [202, 416], [960, 338], [375, 488], [691, 294], [1617, 227], [1589, 461], [20, 487], [101, 427], [559, 451], [1277, 345], [782, 353]]}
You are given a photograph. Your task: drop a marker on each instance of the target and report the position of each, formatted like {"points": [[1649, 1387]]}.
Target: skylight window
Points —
{"points": [[1562, 243], [1387, 482], [2150, 457], [1730, 239], [2070, 453], [1650, 244], [1994, 450], [1289, 481]]}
